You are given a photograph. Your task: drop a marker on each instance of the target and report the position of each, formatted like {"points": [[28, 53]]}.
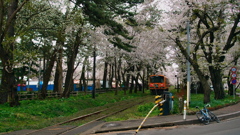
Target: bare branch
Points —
{"points": [[232, 33]]}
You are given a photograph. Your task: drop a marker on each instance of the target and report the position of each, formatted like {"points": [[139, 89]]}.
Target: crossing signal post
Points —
{"points": [[158, 100], [165, 107]]}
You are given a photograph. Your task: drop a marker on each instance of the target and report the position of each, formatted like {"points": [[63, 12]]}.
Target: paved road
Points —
{"points": [[226, 127]]}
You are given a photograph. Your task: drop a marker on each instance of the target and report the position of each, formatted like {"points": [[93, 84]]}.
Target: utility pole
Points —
{"points": [[188, 65], [94, 72]]}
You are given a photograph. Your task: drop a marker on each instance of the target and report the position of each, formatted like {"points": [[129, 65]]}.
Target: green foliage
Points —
{"points": [[175, 108], [106, 12], [196, 100], [145, 108], [33, 114]]}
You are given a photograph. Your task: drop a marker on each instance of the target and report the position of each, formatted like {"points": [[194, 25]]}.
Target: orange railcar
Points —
{"points": [[158, 84]]}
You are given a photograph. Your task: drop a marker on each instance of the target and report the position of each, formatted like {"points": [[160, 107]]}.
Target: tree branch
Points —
{"points": [[10, 19], [232, 34], [1, 16]]}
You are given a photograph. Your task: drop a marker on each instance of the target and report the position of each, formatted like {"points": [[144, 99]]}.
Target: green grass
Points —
{"points": [[136, 112], [142, 110], [238, 90], [195, 98], [35, 114]]}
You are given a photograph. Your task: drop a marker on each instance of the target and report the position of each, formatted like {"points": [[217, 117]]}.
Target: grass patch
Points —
{"points": [[136, 112], [142, 110], [197, 100], [35, 114]]}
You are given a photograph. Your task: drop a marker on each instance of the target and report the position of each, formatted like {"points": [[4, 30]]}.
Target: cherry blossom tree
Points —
{"points": [[214, 33]]}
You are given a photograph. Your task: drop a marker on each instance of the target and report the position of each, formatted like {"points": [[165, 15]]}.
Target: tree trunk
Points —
{"points": [[58, 81], [143, 81], [116, 77], [132, 84], [105, 74], [119, 73], [70, 64], [201, 76], [205, 85], [132, 80], [136, 84], [47, 75], [110, 75], [83, 78], [83, 83], [230, 86], [127, 82], [230, 89], [124, 83], [8, 91], [141, 86], [69, 79], [216, 78], [147, 78]]}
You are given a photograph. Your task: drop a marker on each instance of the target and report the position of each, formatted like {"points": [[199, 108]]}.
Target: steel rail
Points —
{"points": [[102, 117], [89, 115]]}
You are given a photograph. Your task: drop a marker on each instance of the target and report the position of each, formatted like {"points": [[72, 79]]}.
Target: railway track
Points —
{"points": [[84, 122]]}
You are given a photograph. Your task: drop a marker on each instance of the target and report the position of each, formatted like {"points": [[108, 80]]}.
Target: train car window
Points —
{"points": [[156, 79]]}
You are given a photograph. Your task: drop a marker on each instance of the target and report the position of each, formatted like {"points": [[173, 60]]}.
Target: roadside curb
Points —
{"points": [[168, 124], [228, 116]]}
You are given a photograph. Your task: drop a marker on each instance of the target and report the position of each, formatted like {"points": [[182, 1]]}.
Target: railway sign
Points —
{"points": [[234, 75], [234, 81], [233, 69]]}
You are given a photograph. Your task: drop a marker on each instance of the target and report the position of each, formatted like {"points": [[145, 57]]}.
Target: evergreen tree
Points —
{"points": [[106, 12]]}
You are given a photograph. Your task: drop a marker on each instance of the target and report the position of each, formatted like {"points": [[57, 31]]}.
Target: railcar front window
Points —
{"points": [[156, 79]]}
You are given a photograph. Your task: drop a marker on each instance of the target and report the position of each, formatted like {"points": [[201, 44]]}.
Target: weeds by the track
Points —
{"points": [[35, 114]]}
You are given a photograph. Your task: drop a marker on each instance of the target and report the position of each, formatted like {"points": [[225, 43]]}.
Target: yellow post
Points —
{"points": [[158, 101]]}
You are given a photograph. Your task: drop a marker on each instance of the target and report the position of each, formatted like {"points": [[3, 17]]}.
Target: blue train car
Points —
{"points": [[77, 88], [33, 86]]}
